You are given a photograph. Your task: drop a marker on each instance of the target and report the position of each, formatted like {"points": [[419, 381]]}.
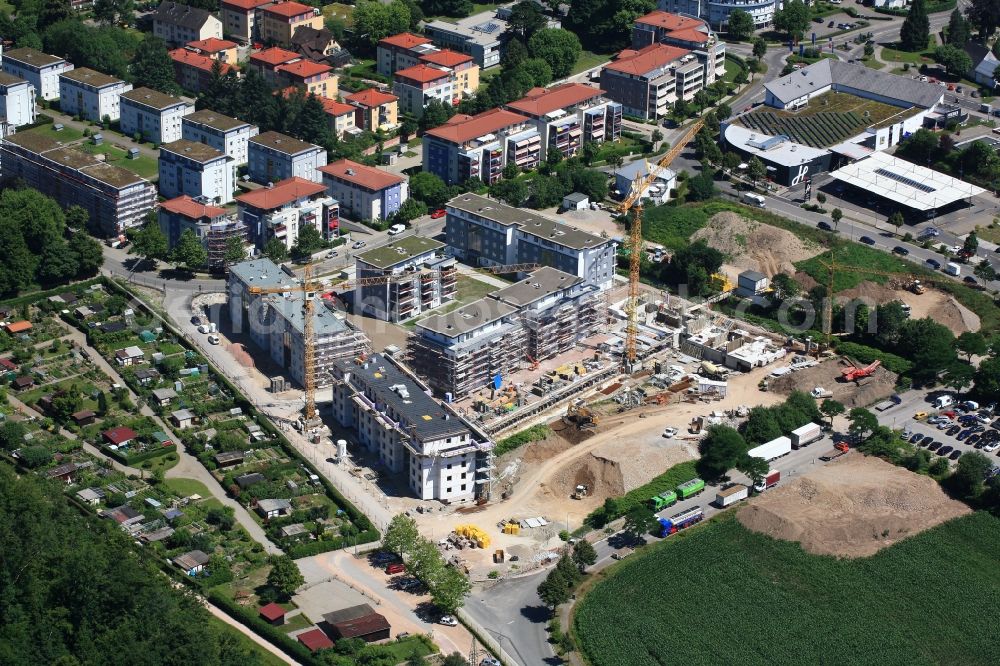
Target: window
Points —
{"points": [[448, 491], [463, 486], [448, 478]]}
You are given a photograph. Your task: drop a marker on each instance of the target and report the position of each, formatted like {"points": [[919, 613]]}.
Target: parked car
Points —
{"points": [[953, 430], [900, 250], [934, 263], [916, 438], [395, 568], [438, 214], [955, 455], [934, 446], [396, 229], [920, 416], [945, 450], [331, 254], [867, 240], [213, 340], [669, 432], [448, 621], [825, 226], [926, 441], [968, 279], [358, 245]]}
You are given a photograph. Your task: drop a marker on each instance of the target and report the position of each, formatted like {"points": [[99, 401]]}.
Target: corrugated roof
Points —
{"points": [[361, 175], [283, 193], [188, 207], [404, 40], [646, 59], [315, 640], [470, 127], [422, 74], [370, 97], [540, 101]]}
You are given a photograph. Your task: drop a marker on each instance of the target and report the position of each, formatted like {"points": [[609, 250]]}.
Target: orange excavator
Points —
{"points": [[856, 372]]}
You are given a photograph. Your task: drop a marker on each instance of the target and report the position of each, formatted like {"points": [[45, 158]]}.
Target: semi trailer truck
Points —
{"points": [[770, 480], [690, 488], [773, 449], [680, 521], [806, 435]]}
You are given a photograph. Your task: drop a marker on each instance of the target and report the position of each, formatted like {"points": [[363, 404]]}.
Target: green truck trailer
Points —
{"points": [[663, 500], [690, 488]]}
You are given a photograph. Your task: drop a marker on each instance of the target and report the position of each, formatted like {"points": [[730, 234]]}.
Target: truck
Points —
{"points": [[770, 480], [943, 401], [953, 269], [731, 494], [820, 392], [753, 199], [806, 435], [839, 449], [888, 404], [663, 500], [773, 449], [680, 520], [690, 488]]}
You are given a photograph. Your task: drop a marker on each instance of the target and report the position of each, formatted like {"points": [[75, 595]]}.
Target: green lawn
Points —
{"points": [[872, 62], [262, 656], [468, 289], [143, 165], [187, 487], [914, 58], [341, 11], [295, 622], [926, 600], [732, 69], [589, 60], [404, 649]]}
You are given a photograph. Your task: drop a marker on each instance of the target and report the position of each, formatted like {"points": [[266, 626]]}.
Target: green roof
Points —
{"points": [[399, 251]]}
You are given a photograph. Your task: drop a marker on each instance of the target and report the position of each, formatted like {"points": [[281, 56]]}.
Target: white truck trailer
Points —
{"points": [[731, 495], [773, 449], [806, 435]]}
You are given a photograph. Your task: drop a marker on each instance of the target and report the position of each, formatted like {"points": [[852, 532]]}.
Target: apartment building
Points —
{"points": [[311, 77], [423, 278], [342, 117], [267, 62], [240, 19], [17, 100], [280, 20], [197, 170], [536, 318], [376, 109], [464, 70], [214, 226], [222, 50], [39, 69], [401, 51], [274, 156], [276, 322], [480, 36], [416, 86], [441, 455], [716, 12], [114, 198], [480, 146], [91, 95], [649, 81], [483, 232], [282, 210], [153, 115], [568, 115], [178, 24], [685, 32], [364, 192], [194, 71], [225, 134]]}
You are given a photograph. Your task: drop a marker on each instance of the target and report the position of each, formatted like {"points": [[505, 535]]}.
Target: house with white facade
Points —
{"points": [[39, 69], [197, 170], [282, 210], [274, 156], [225, 134], [568, 115], [364, 192], [90, 94], [178, 24], [153, 115], [17, 100]]}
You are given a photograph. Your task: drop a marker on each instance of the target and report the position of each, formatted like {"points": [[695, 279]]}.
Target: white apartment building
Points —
{"points": [[274, 156], [152, 114], [568, 115], [196, 170], [423, 278], [17, 100], [90, 94], [225, 134], [283, 210], [39, 69]]}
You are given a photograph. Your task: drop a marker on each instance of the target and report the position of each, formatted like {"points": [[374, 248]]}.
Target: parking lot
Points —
{"points": [[954, 430]]}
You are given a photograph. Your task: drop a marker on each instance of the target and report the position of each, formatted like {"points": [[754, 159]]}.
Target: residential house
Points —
{"points": [[464, 70], [182, 418], [274, 508], [424, 278], [376, 109], [342, 117], [283, 210], [225, 134], [129, 356], [686, 32], [364, 192], [20, 326], [147, 377], [311, 77], [178, 24], [280, 20], [196, 170], [984, 64], [266, 63], [91, 496], [214, 226], [39, 69], [17, 100], [240, 19], [153, 115], [274, 156], [416, 86], [222, 50], [120, 436], [65, 473], [163, 396], [401, 51], [91, 95], [648, 82], [480, 146], [660, 188], [192, 562], [194, 71], [320, 45], [567, 116], [23, 383]]}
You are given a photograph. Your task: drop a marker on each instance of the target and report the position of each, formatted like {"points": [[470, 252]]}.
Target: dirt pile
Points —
{"points": [[751, 245], [827, 375], [852, 507]]}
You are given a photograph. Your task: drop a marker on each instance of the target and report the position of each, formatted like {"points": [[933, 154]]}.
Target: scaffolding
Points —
{"points": [[217, 239]]}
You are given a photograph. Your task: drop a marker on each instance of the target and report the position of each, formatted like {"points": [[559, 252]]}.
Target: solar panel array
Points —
{"points": [[909, 182]]}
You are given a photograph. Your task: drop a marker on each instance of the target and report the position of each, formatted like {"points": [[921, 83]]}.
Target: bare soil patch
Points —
{"points": [[827, 375], [852, 507], [751, 245]]}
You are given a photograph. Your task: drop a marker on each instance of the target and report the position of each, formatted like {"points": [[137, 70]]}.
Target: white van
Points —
{"points": [[953, 269], [396, 229], [943, 401], [753, 199]]}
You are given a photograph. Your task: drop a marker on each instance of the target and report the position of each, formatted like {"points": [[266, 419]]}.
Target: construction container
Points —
{"points": [[731, 495]]}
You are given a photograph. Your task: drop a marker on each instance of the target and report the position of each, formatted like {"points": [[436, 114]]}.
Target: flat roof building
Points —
{"points": [[364, 192], [153, 115], [480, 36], [197, 170], [274, 156], [423, 279], [39, 69], [91, 95], [225, 134], [17, 100]]}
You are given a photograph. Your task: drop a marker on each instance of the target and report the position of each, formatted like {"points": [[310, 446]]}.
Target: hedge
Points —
{"points": [[140, 457], [669, 480], [252, 620], [311, 548], [866, 354], [533, 434]]}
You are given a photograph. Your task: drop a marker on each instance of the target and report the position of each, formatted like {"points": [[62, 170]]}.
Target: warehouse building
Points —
{"points": [[423, 278]]}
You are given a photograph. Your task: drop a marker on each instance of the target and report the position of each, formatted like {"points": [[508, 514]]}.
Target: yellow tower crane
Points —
{"points": [[634, 202]]}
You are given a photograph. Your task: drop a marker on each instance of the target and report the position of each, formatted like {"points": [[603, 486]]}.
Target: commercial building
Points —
{"points": [[389, 409], [274, 156], [364, 192], [423, 278], [222, 50], [539, 317], [240, 18], [376, 109], [39, 69], [480, 146], [194, 71], [114, 198], [483, 232], [717, 12], [214, 226], [197, 170], [282, 210], [342, 117], [178, 24], [17, 100], [153, 115], [280, 20], [480, 36], [225, 134], [276, 322], [647, 82], [91, 95], [568, 115]]}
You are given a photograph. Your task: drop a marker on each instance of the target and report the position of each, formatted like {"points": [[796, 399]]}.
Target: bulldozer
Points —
{"points": [[579, 415], [579, 492]]}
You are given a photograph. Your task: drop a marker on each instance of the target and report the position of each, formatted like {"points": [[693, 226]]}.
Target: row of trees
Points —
{"points": [[555, 179], [448, 586], [557, 588]]}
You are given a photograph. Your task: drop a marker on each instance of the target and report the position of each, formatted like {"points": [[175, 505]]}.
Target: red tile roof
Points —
{"points": [[284, 192], [466, 128], [404, 40], [646, 59], [335, 108], [274, 56], [119, 435], [304, 68], [245, 5], [364, 176], [315, 639], [690, 35], [212, 45], [271, 612], [446, 58], [540, 101], [7, 363], [422, 74], [288, 9], [668, 21], [188, 207], [371, 97], [18, 326], [198, 61]]}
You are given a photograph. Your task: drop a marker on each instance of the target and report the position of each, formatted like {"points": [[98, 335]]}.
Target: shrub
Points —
{"points": [[533, 434]]}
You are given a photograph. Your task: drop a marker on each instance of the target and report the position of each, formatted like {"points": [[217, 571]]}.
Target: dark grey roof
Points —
{"points": [[260, 273], [755, 276], [10, 80], [153, 99], [247, 480], [539, 284], [468, 317], [349, 613], [184, 16], [213, 120], [845, 77], [576, 197], [282, 143], [976, 52]]}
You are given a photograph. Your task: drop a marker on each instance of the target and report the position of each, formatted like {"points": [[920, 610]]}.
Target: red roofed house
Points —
{"points": [[649, 81], [280, 20], [22, 326], [119, 436], [280, 211], [312, 77], [8, 364], [480, 146], [364, 192], [568, 115], [315, 640], [266, 62], [222, 50], [273, 613], [240, 19], [342, 116], [375, 109], [193, 71], [442, 75], [359, 621], [213, 226], [690, 33], [401, 51]]}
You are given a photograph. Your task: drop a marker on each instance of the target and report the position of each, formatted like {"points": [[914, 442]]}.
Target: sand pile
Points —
{"points": [[852, 507], [827, 375], [751, 245]]}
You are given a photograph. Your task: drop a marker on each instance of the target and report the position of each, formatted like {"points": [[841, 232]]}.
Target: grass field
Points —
{"points": [[468, 289], [340, 10], [588, 60], [719, 593], [187, 487], [66, 135], [264, 658]]}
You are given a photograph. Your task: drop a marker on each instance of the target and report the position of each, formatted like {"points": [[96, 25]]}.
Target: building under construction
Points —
{"points": [[217, 240], [422, 278], [531, 320]]}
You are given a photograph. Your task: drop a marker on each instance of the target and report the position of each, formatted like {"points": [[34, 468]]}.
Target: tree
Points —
{"points": [[400, 535], [931, 347], [449, 589], [374, 21], [970, 474], [454, 8], [723, 111], [454, 659], [12, 435], [971, 344], [605, 25], [584, 554], [959, 31], [693, 266], [554, 590], [275, 250], [560, 48], [832, 408], [284, 576], [149, 242], [731, 161], [869, 49], [589, 152], [235, 251], [784, 286], [526, 19], [429, 188], [57, 265], [425, 561], [755, 468], [409, 210], [114, 12], [793, 20], [759, 48], [984, 271], [721, 449], [702, 186], [916, 28], [88, 254], [416, 660], [836, 215], [756, 169], [656, 137], [740, 25], [308, 242], [152, 66], [987, 379], [863, 422], [985, 15], [958, 375], [896, 220], [189, 252], [435, 114], [954, 59], [511, 192], [639, 522], [971, 243]]}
